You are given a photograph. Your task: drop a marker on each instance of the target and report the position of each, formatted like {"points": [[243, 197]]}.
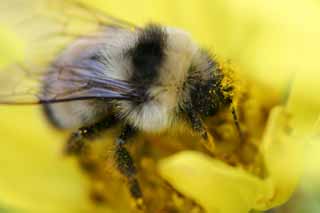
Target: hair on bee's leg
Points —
{"points": [[125, 164], [77, 139], [200, 129]]}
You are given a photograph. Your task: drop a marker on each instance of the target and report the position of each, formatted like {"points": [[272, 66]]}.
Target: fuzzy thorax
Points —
{"points": [[160, 110]]}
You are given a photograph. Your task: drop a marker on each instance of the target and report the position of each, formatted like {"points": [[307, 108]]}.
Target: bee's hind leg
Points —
{"points": [[125, 164], [77, 139]]}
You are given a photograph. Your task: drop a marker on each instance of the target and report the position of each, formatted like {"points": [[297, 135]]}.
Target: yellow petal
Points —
{"points": [[283, 154], [34, 176], [211, 183], [222, 188]]}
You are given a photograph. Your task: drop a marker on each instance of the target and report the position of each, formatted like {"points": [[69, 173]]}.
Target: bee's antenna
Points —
{"points": [[236, 122], [288, 89]]}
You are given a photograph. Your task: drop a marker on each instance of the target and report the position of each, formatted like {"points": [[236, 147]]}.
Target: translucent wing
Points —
{"points": [[46, 27], [84, 82]]}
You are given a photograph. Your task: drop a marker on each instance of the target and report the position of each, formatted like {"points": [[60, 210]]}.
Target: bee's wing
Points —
{"points": [[46, 27], [84, 82]]}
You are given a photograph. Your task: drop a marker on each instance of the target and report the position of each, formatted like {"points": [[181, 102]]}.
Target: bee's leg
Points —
{"points": [[200, 129], [125, 164], [77, 139]]}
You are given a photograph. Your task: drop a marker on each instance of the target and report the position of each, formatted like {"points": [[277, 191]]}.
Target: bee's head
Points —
{"points": [[207, 94]]}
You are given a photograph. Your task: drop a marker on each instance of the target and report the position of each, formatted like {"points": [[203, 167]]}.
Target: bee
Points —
{"points": [[150, 79]]}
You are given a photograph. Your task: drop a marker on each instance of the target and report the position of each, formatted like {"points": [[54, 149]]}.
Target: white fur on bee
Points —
{"points": [[159, 112]]}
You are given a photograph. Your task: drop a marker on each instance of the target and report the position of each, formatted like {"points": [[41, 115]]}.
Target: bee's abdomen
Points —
{"points": [[76, 114], [49, 113]]}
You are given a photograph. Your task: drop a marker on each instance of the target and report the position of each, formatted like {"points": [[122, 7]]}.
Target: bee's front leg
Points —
{"points": [[77, 139], [125, 164], [200, 129]]}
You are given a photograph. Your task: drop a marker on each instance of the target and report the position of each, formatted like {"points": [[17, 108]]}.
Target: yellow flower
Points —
{"points": [[269, 40], [222, 188]]}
